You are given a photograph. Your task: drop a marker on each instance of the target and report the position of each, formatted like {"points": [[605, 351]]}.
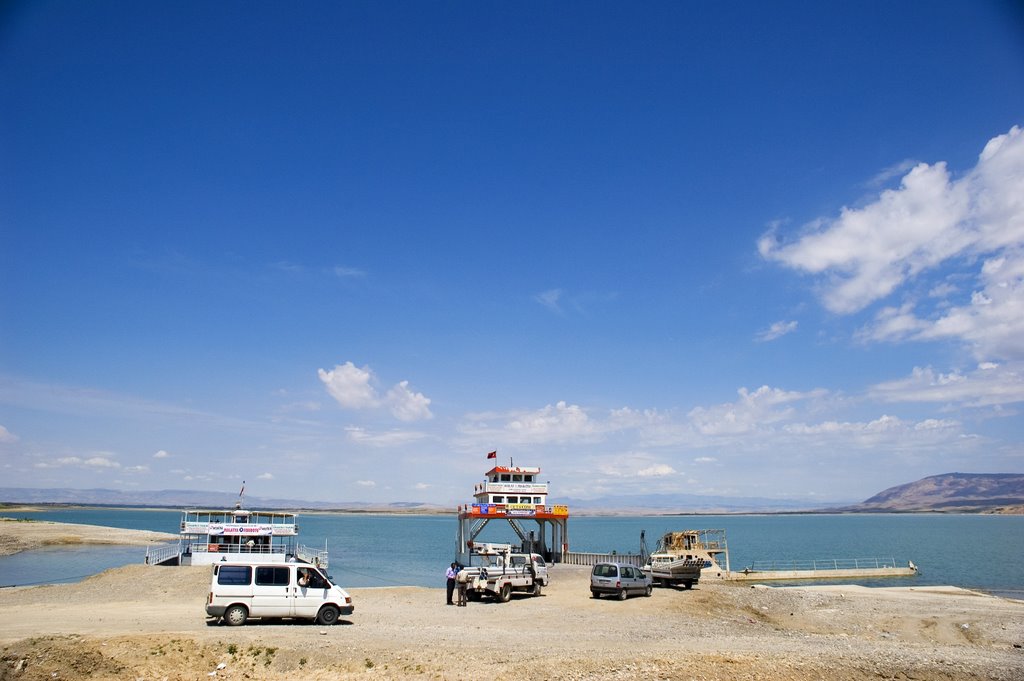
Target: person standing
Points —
{"points": [[453, 572]]}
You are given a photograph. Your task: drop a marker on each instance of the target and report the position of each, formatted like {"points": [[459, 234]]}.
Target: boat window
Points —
{"points": [[234, 574], [513, 500], [505, 477], [272, 576], [499, 500], [517, 478], [528, 478]]}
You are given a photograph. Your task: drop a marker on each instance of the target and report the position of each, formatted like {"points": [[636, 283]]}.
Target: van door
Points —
{"points": [[271, 595], [310, 591]]}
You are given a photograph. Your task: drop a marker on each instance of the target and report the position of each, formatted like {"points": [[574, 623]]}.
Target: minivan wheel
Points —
{"points": [[327, 616], [648, 591], [595, 594], [235, 615], [623, 594]]}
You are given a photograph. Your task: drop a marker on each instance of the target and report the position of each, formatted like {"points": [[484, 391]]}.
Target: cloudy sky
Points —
{"points": [[343, 250]]}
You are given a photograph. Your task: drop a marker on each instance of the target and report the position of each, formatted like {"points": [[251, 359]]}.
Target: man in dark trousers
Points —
{"points": [[452, 573]]}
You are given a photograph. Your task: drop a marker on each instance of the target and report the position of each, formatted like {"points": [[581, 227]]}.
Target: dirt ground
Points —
{"points": [[141, 622]]}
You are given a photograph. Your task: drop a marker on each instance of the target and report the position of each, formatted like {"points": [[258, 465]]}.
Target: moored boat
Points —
{"points": [[237, 536]]}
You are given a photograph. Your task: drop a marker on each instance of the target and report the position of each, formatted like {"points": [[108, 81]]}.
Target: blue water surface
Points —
{"points": [[972, 551]]}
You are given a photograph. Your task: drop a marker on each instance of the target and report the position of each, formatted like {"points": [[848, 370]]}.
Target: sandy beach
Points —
{"points": [[142, 622], [25, 535]]}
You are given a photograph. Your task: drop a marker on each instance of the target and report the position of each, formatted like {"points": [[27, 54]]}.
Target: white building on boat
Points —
{"points": [[237, 536]]}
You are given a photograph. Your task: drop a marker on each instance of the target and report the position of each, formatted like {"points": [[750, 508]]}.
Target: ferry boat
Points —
{"points": [[516, 495], [237, 536]]}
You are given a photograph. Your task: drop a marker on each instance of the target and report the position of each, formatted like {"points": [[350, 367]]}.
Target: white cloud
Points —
{"points": [[101, 462], [656, 471], [776, 330], [550, 299], [350, 386], [348, 272], [384, 439], [866, 253], [265, 476], [366, 483], [407, 405], [7, 436], [162, 454], [705, 459], [553, 423], [353, 388], [988, 385], [752, 411], [422, 485]]}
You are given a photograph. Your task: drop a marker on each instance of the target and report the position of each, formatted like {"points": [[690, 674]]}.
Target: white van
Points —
{"points": [[240, 591]]}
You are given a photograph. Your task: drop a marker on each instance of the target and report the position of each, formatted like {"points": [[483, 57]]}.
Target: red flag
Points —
{"points": [[492, 455]]}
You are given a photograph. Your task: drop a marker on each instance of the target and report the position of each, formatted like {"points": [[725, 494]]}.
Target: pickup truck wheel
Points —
{"points": [[622, 594], [536, 588], [235, 615], [688, 584], [327, 616], [505, 595]]}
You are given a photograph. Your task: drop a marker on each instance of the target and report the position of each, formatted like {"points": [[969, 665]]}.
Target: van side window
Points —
{"points": [[272, 576], [234, 574]]}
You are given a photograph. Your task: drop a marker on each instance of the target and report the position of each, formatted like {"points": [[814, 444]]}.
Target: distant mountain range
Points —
{"points": [[952, 492], [177, 498]]}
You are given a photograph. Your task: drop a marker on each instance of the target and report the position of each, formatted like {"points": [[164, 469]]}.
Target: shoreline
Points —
{"points": [[18, 535], [158, 629]]}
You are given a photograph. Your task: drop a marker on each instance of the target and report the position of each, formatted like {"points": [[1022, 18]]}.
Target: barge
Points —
{"points": [[711, 547]]}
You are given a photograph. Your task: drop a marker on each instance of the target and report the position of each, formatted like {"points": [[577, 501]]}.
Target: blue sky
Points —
{"points": [[343, 250]]}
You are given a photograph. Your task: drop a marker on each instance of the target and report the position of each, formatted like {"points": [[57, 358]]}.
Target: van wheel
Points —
{"points": [[327, 616], [536, 588], [622, 594], [505, 595], [235, 615]]}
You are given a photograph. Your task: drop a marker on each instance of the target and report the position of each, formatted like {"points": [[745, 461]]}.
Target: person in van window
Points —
{"points": [[303, 577]]}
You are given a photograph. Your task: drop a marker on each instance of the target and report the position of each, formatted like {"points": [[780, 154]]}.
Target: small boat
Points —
{"points": [[237, 536]]}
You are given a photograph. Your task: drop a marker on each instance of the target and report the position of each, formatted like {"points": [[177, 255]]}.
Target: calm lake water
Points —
{"points": [[973, 551]]}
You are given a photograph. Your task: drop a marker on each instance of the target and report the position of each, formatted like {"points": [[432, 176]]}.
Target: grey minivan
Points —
{"points": [[619, 580]]}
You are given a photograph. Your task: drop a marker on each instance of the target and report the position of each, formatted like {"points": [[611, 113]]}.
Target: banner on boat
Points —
{"points": [[254, 530]]}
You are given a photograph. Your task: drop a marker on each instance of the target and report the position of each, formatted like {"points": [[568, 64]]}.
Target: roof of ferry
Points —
{"points": [[531, 470]]}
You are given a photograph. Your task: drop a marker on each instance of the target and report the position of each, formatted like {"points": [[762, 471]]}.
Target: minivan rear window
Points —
{"points": [[234, 574], [272, 576]]}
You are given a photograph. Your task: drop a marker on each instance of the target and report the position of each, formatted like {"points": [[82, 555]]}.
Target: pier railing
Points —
{"points": [[590, 559], [316, 557], [823, 565], [155, 555]]}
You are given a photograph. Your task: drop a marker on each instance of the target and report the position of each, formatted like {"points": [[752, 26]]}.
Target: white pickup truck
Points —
{"points": [[496, 572]]}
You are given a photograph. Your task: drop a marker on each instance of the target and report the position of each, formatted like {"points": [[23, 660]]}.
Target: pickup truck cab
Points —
{"points": [[499, 572], [298, 590]]}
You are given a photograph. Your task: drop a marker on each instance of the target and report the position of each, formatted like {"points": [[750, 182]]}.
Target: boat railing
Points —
{"points": [[161, 553], [591, 559], [822, 564], [316, 557], [237, 548]]}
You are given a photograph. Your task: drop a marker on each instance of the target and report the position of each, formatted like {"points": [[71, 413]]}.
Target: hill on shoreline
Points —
{"points": [[950, 492]]}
